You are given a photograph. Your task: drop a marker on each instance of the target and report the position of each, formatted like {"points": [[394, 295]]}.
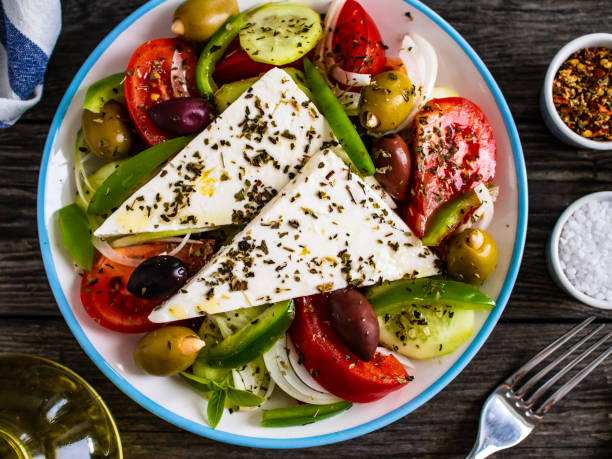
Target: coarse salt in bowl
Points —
{"points": [[580, 250]]}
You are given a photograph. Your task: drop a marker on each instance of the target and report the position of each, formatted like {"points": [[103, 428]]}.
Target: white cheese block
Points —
{"points": [[231, 169], [326, 230]]}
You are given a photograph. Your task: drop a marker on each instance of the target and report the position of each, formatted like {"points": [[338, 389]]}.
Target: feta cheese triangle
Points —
{"points": [[231, 169], [326, 230]]}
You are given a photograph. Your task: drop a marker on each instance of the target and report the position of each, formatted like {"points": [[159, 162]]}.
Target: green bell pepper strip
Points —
{"points": [[214, 50], [301, 414], [393, 297], [229, 92], [251, 341], [102, 91], [76, 234], [117, 187], [449, 216], [334, 113]]}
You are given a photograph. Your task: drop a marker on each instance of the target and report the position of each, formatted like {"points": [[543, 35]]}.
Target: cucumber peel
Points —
{"points": [[394, 297]]}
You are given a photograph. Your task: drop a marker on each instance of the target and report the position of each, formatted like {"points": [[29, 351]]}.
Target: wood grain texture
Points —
{"points": [[444, 427], [516, 39]]}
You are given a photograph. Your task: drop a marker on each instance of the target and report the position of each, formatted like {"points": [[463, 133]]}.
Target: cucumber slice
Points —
{"points": [[424, 332], [278, 34]]}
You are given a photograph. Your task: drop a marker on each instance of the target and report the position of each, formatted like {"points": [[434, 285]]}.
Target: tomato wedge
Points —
{"points": [[330, 362], [453, 150], [106, 299], [237, 65], [357, 45], [158, 70]]}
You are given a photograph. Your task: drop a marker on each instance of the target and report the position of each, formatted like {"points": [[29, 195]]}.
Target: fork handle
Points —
{"points": [[480, 451]]}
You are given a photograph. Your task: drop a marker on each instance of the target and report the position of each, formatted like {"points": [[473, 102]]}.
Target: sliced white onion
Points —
{"points": [[300, 370], [79, 185], [326, 50], [482, 217], [279, 366], [331, 17], [176, 239], [421, 63], [248, 379], [345, 77], [105, 249], [81, 169], [349, 100], [177, 77], [270, 390], [405, 361], [179, 247], [79, 176]]}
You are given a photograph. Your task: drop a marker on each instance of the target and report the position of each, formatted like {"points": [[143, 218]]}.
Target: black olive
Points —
{"points": [[157, 277], [352, 317], [393, 163], [182, 115]]}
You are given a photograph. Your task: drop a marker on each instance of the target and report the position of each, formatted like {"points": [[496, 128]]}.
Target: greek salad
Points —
{"points": [[277, 204]]}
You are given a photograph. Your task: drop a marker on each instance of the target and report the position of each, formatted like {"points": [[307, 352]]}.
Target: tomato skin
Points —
{"points": [[357, 45], [330, 362], [159, 70], [453, 150], [236, 65], [106, 299]]}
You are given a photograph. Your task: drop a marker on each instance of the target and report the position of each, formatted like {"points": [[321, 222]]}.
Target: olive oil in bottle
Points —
{"points": [[48, 411]]}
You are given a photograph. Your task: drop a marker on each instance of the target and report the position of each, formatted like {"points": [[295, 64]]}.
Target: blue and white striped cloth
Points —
{"points": [[28, 32]]}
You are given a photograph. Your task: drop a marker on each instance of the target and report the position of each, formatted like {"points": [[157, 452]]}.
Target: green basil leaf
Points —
{"points": [[199, 383], [215, 407], [244, 398]]}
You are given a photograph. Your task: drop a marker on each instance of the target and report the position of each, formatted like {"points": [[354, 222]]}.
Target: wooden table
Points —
{"points": [[516, 39]]}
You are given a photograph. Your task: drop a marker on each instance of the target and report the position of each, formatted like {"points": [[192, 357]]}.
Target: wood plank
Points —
{"points": [[516, 40], [444, 427]]}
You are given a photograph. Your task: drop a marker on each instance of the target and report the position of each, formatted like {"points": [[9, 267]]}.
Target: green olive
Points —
{"points": [[471, 255], [386, 102], [167, 350], [108, 133], [197, 20]]}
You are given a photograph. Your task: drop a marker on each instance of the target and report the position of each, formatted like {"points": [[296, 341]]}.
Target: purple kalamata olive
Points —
{"points": [[352, 317], [157, 277], [183, 115], [394, 165]]}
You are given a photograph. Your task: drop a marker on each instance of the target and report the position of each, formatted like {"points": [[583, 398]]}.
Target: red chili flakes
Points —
{"points": [[582, 93]]}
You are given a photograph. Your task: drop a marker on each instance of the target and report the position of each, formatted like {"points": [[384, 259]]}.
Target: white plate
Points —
{"points": [[169, 398]]}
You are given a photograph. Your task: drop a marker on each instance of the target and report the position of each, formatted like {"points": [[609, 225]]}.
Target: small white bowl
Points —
{"points": [[547, 107], [554, 264]]}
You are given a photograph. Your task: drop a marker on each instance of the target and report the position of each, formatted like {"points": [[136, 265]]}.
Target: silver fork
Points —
{"points": [[508, 416]]}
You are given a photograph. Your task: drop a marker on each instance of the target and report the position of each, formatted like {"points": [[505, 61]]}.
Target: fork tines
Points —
{"points": [[514, 382]]}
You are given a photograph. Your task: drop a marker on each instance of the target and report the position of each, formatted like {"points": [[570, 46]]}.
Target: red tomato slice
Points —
{"points": [[237, 65], [357, 45], [453, 150], [158, 70], [106, 299], [330, 362]]}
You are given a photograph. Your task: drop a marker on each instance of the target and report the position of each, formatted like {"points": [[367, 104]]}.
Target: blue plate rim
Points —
{"points": [[317, 440]]}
